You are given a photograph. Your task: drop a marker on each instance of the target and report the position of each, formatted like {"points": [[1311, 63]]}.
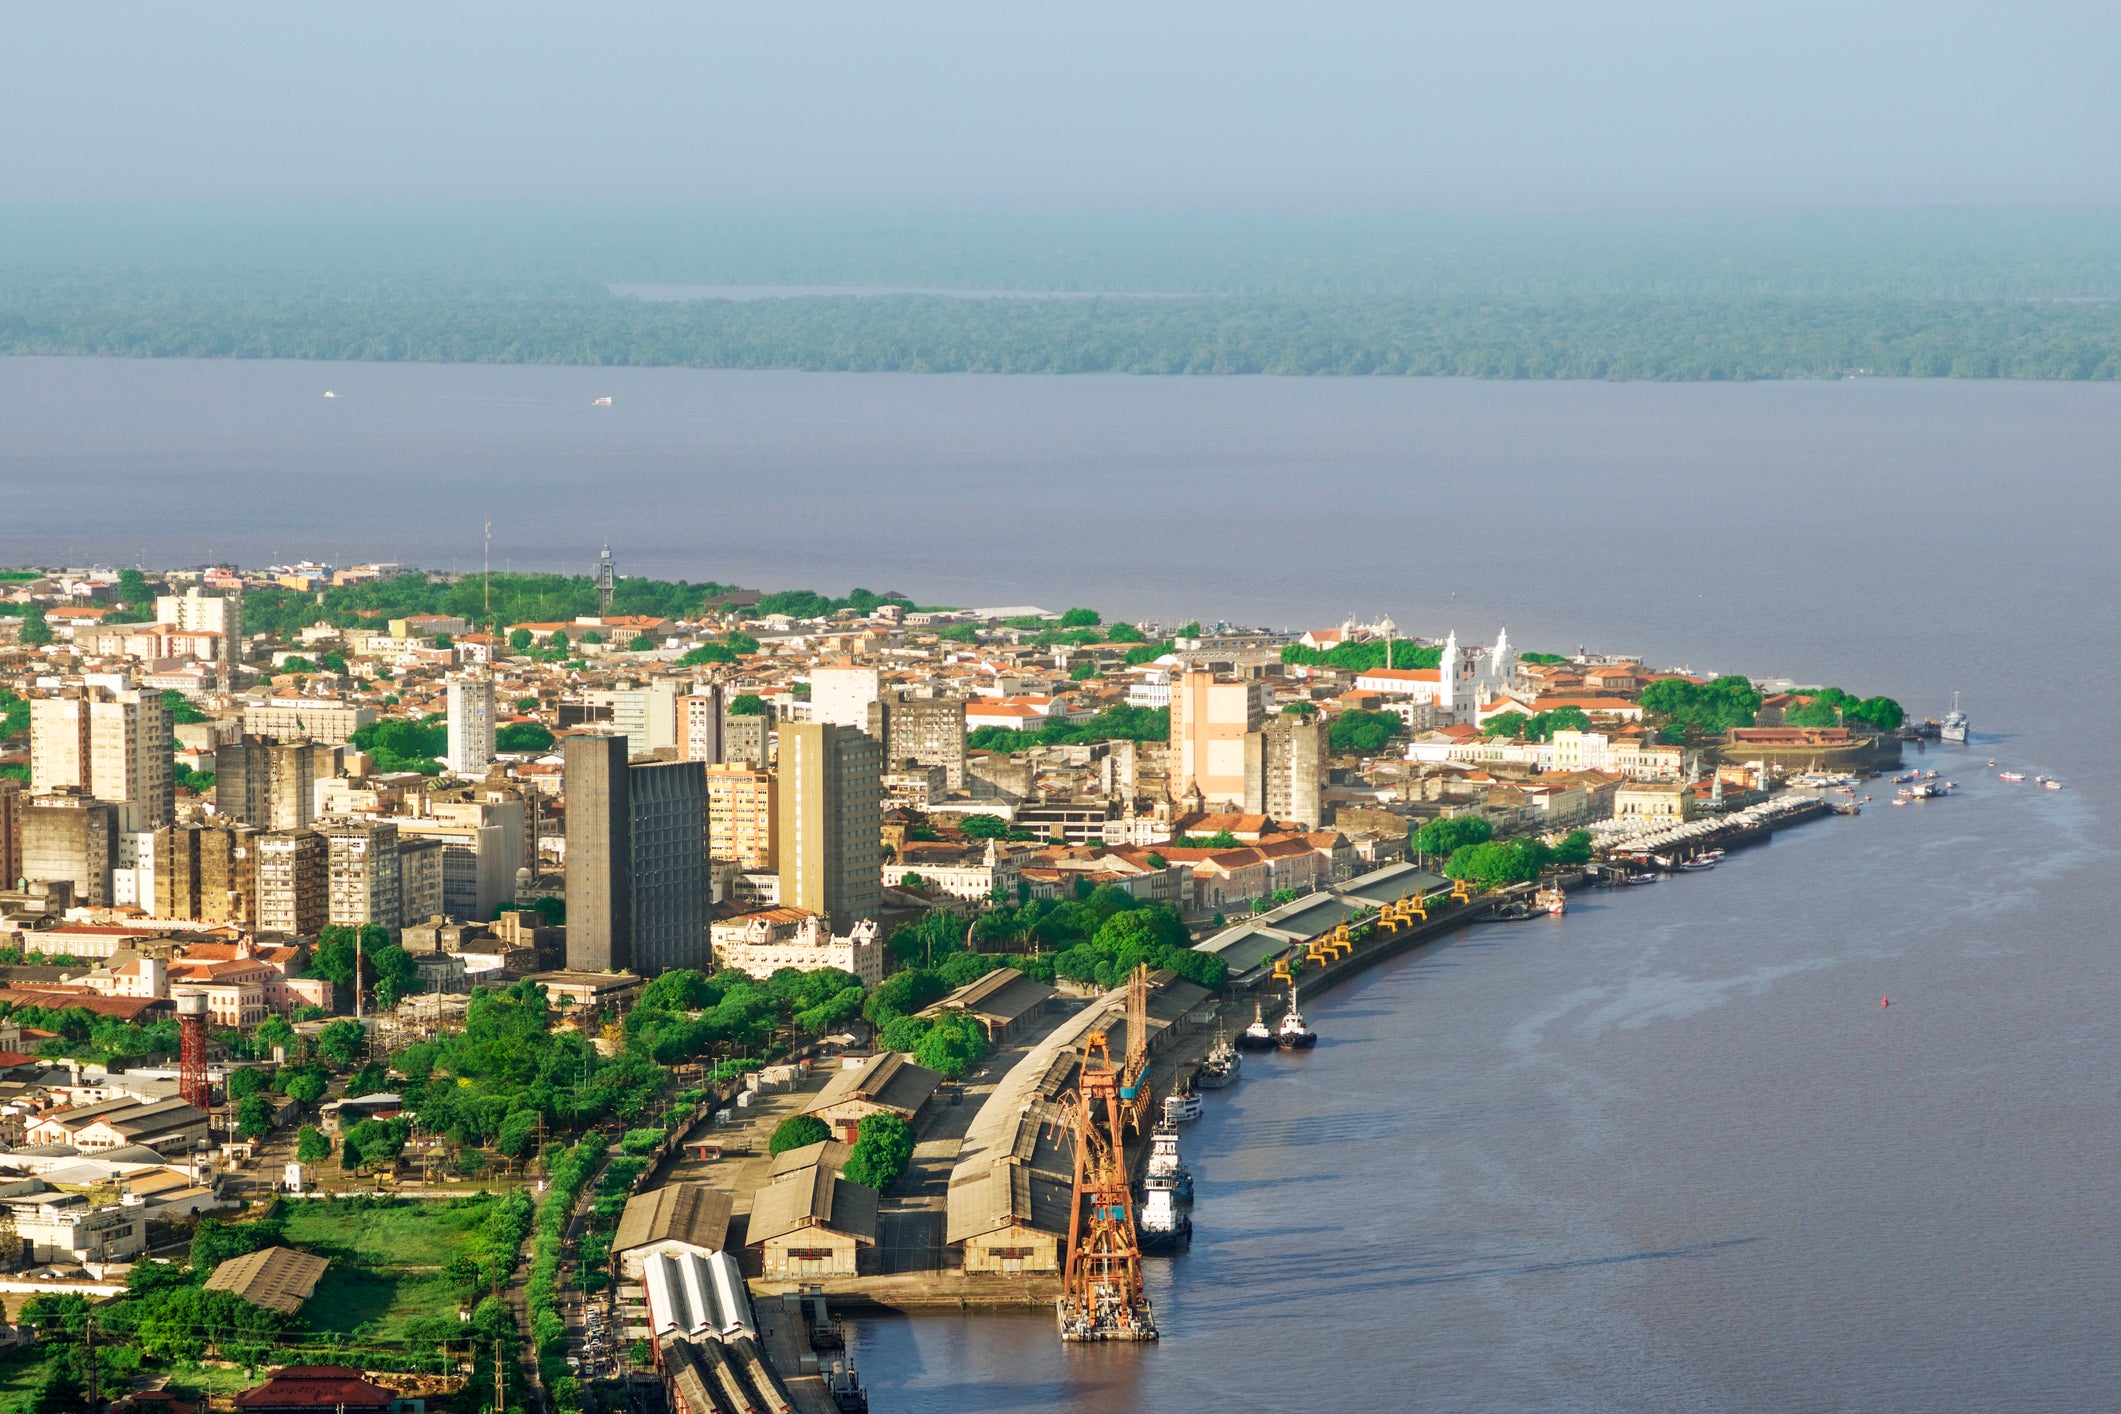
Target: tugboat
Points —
{"points": [[1552, 899], [1954, 727], [1221, 1067], [1294, 1035], [1163, 1228], [1256, 1037], [1167, 1172]]}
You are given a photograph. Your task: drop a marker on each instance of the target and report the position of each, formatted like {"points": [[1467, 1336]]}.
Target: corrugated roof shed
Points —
{"points": [[691, 1213], [812, 1197], [277, 1278], [888, 1080], [826, 1153]]}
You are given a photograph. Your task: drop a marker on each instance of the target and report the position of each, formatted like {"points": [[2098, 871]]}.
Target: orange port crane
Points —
{"points": [[1134, 1070], [1101, 1282]]}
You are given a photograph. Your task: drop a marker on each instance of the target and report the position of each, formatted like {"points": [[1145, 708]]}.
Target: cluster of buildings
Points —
{"points": [[779, 807]]}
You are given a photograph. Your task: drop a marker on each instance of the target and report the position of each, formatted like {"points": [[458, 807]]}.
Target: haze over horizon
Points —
{"points": [[957, 107]]}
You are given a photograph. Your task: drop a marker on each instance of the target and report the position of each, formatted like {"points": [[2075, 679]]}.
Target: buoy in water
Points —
{"points": [[1885, 1001]]}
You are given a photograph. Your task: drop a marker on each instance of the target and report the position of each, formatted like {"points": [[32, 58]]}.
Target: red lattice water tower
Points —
{"points": [[192, 1084]]}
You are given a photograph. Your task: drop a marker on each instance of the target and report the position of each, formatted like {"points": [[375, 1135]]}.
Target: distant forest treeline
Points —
{"points": [[1990, 295]]}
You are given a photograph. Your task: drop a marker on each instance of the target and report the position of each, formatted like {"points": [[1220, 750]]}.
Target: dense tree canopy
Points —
{"points": [[1705, 707]]}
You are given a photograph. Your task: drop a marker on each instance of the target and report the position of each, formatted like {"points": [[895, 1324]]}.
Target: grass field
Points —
{"points": [[416, 1234], [386, 1262], [21, 1372]]}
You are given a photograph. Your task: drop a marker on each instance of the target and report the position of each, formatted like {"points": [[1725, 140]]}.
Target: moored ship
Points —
{"points": [[1293, 1035]]}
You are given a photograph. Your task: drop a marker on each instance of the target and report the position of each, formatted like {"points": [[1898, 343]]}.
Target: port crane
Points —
{"points": [[1134, 1070], [1101, 1281]]}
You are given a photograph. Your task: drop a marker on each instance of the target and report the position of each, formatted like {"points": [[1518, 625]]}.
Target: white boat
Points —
{"points": [[329, 393], [1167, 1171], [1221, 1067], [2010, 775], [1293, 1035], [2052, 784], [1955, 726], [1180, 1109], [1163, 1227], [1696, 866], [603, 402]]}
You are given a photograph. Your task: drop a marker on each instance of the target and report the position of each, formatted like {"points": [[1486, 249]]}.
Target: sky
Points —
{"points": [[1319, 106]]}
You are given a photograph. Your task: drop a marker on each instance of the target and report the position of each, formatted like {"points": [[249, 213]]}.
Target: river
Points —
{"points": [[1666, 1153]]}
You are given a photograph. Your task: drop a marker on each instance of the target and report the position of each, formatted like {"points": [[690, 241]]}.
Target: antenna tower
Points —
{"points": [[607, 581]]}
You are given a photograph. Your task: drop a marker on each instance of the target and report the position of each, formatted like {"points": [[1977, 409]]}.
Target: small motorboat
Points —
{"points": [[603, 402], [2052, 784], [1552, 899], [2010, 775], [1293, 1035], [1644, 878], [1696, 866], [1257, 1036]]}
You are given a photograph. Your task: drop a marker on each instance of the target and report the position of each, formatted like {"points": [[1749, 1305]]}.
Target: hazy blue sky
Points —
{"points": [[1069, 104]]}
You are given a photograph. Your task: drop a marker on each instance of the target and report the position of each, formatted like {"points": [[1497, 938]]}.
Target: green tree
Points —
{"points": [[641, 643], [343, 1042], [1448, 835], [796, 1131], [983, 827], [1505, 724], [883, 1148], [275, 1031], [35, 631], [182, 711], [244, 1083], [524, 737], [1363, 733], [1081, 618], [1083, 671], [1575, 848], [747, 704], [254, 1117], [520, 640], [311, 1145]]}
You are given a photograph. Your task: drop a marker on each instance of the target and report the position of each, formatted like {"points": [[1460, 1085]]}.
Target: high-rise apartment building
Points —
{"points": [[208, 873], [842, 695], [830, 850], [744, 738], [320, 719], [269, 785], [637, 885], [1298, 755], [70, 836], [742, 816], [362, 881], [482, 847], [291, 868], [1218, 746], [646, 714], [470, 707], [420, 878], [203, 611], [700, 724], [116, 746], [928, 731], [12, 800]]}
